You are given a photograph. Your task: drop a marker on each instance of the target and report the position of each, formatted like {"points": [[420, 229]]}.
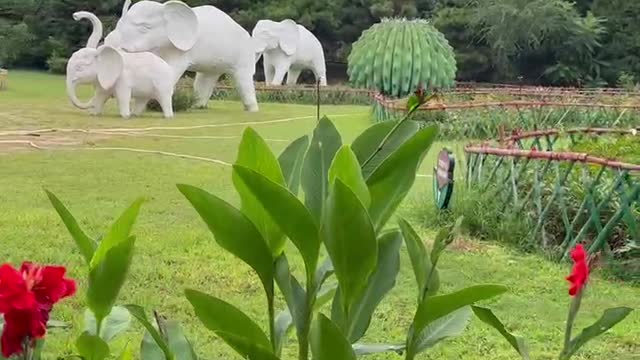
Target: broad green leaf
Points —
{"points": [[229, 323], [92, 347], [435, 307], [107, 278], [324, 271], [115, 323], [149, 350], [292, 291], [324, 145], [345, 167], [487, 316], [177, 343], [254, 351], [118, 233], [609, 319], [413, 102], [379, 284], [291, 160], [367, 143], [287, 211], [234, 232], [370, 349], [350, 240], [86, 245], [284, 321], [420, 262], [450, 325], [282, 327], [255, 154], [390, 183], [328, 343]]}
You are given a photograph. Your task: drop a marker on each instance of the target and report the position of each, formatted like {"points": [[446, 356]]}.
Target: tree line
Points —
{"points": [[549, 42]]}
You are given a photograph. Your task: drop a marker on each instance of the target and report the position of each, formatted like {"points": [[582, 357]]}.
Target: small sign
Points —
{"points": [[443, 178]]}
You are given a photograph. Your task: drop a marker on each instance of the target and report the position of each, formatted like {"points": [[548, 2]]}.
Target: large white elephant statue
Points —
{"points": [[288, 48], [203, 39], [113, 73]]}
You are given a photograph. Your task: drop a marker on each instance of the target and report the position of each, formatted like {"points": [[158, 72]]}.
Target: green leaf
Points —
{"points": [[92, 347], [177, 342], [367, 143], [37, 350], [229, 323], [345, 167], [107, 278], [450, 325], [413, 102], [291, 160], [435, 307], [324, 271], [351, 243], [115, 323], [234, 232], [444, 238], [292, 291], [86, 245], [157, 338], [287, 211], [379, 284], [118, 233], [390, 183], [487, 316], [325, 143], [328, 343], [255, 154], [370, 349], [420, 262], [284, 321], [609, 319]]}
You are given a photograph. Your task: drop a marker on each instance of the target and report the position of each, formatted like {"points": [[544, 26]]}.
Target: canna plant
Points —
{"points": [[343, 234]]}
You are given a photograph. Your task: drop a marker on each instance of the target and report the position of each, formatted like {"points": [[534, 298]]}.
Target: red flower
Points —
{"points": [[26, 299], [580, 271]]}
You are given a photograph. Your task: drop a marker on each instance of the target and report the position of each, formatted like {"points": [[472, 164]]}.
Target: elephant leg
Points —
{"points": [[140, 106], [320, 76], [166, 103], [97, 106], [279, 76], [246, 89], [269, 72], [292, 76], [203, 86], [123, 94]]}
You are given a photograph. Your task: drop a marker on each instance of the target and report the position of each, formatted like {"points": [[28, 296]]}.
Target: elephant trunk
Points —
{"points": [[96, 34], [71, 93]]}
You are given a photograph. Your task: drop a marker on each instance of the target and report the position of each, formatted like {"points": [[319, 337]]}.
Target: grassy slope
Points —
{"points": [[175, 250]]}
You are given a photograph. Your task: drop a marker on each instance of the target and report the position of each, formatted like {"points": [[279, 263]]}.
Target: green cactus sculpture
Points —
{"points": [[396, 55]]}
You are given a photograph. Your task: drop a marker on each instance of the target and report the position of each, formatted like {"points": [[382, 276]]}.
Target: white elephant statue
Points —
{"points": [[203, 39], [288, 48], [113, 73]]}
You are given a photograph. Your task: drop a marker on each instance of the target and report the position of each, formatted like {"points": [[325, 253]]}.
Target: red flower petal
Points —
{"points": [[13, 290], [579, 272]]}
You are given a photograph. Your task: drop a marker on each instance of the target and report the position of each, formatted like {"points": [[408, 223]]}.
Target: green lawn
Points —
{"points": [[175, 250]]}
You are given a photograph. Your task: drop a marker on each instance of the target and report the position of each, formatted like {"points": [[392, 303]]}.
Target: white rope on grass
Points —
{"points": [[118, 130]]}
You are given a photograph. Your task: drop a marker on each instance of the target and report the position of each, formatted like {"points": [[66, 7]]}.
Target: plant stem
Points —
{"points": [[573, 312], [272, 324], [393, 130], [303, 337]]}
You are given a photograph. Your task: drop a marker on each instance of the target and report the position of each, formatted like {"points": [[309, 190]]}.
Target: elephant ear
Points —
{"points": [[110, 66], [289, 36], [260, 32], [182, 24]]}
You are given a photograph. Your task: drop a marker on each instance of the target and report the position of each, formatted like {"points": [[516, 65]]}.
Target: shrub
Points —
{"points": [[183, 97], [57, 65]]}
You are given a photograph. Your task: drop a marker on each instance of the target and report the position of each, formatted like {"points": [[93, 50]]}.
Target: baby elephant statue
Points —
{"points": [[114, 73], [288, 47]]}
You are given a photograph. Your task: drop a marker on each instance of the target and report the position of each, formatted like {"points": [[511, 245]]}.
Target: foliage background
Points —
{"points": [[587, 42]]}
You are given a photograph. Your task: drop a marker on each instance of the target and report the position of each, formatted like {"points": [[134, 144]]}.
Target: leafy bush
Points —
{"points": [[57, 65], [183, 97], [329, 95]]}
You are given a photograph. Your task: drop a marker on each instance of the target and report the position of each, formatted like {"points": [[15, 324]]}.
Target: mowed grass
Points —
{"points": [[174, 250]]}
